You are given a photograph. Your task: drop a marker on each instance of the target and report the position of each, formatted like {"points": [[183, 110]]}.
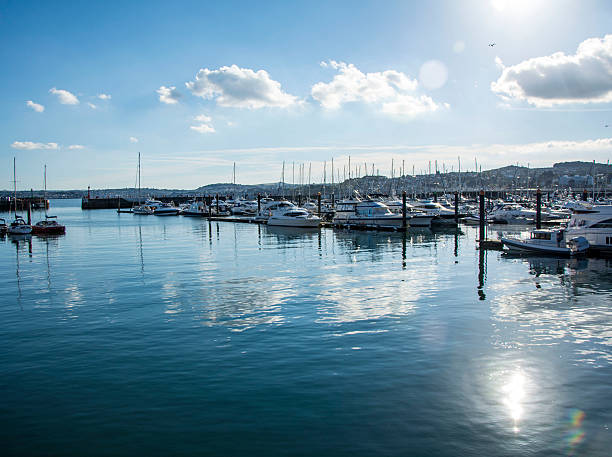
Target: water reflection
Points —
{"points": [[514, 395], [567, 300]]}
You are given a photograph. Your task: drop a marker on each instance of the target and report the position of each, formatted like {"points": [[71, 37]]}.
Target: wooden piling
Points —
{"points": [[404, 210], [319, 204], [456, 207], [217, 198], [29, 213], [538, 209], [258, 204], [482, 216]]}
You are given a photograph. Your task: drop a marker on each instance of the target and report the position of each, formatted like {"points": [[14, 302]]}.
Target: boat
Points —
{"points": [[286, 214], [141, 209], [374, 214], [49, 226], [196, 209], [417, 217], [441, 216], [594, 223], [3, 226], [511, 213], [548, 241], [159, 208], [18, 226]]}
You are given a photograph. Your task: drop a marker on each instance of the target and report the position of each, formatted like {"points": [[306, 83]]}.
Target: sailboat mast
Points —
{"points": [[45, 197], [15, 185], [139, 178]]}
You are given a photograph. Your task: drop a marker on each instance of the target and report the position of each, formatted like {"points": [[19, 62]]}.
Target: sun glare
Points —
{"points": [[513, 6]]}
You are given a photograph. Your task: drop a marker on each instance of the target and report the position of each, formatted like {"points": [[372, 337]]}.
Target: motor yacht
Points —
{"points": [[160, 208], [375, 214], [595, 224], [196, 209], [417, 217], [287, 214]]}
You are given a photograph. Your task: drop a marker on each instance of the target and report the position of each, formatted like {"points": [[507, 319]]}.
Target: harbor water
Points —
{"points": [[173, 336]]}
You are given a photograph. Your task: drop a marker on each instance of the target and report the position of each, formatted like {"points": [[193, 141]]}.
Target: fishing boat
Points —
{"points": [[548, 241], [18, 226], [49, 226]]}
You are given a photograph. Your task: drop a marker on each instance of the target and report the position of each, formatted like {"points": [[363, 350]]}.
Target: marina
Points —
{"points": [[125, 318]]}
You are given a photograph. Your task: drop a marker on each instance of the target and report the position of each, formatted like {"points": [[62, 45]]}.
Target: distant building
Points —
{"points": [[575, 181]]}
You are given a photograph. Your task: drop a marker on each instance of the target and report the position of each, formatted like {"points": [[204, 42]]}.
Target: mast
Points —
{"points": [[45, 194], [15, 185], [138, 178]]}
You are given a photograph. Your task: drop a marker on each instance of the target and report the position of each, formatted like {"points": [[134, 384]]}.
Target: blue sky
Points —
{"points": [[196, 86]]}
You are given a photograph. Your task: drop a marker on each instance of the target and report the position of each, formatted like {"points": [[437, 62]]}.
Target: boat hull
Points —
{"points": [[522, 246], [56, 230], [288, 222]]}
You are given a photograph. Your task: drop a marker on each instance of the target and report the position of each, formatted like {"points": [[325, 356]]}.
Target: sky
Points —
{"points": [[197, 86]]}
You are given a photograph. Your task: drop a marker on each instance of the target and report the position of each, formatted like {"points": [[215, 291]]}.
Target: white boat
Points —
{"points": [[19, 227], [160, 208], [195, 208], [595, 224], [547, 241], [373, 214], [292, 216], [511, 213], [417, 218], [441, 216]]}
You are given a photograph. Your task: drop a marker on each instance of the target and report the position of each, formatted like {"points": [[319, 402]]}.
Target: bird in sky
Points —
{"points": [[491, 44]]}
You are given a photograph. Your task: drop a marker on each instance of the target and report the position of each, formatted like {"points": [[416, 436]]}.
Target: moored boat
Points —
{"points": [[48, 227], [547, 241]]}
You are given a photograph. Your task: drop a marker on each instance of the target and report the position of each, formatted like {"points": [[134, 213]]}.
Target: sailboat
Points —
{"points": [[49, 226], [145, 209], [19, 226]]}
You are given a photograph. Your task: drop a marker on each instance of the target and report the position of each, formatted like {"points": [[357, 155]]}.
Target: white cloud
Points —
{"points": [[91, 105], [65, 97], [30, 145], [168, 95], [76, 146], [392, 89], [133, 139], [104, 96], [240, 88], [411, 106], [204, 125], [585, 77], [203, 128], [35, 106], [352, 85]]}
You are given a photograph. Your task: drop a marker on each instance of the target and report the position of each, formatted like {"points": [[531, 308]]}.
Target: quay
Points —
{"points": [[7, 204]]}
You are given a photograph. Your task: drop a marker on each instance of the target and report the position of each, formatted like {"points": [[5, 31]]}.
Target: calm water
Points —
{"points": [[139, 335]]}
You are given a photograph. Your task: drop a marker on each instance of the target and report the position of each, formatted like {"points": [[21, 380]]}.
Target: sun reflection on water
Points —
{"points": [[514, 392]]}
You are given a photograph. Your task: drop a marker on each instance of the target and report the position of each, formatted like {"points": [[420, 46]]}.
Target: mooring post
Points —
{"points": [[217, 198], [538, 209], [435, 197], [585, 195], [404, 210], [456, 207], [258, 204], [299, 199], [29, 213], [333, 200], [319, 204], [482, 217]]}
